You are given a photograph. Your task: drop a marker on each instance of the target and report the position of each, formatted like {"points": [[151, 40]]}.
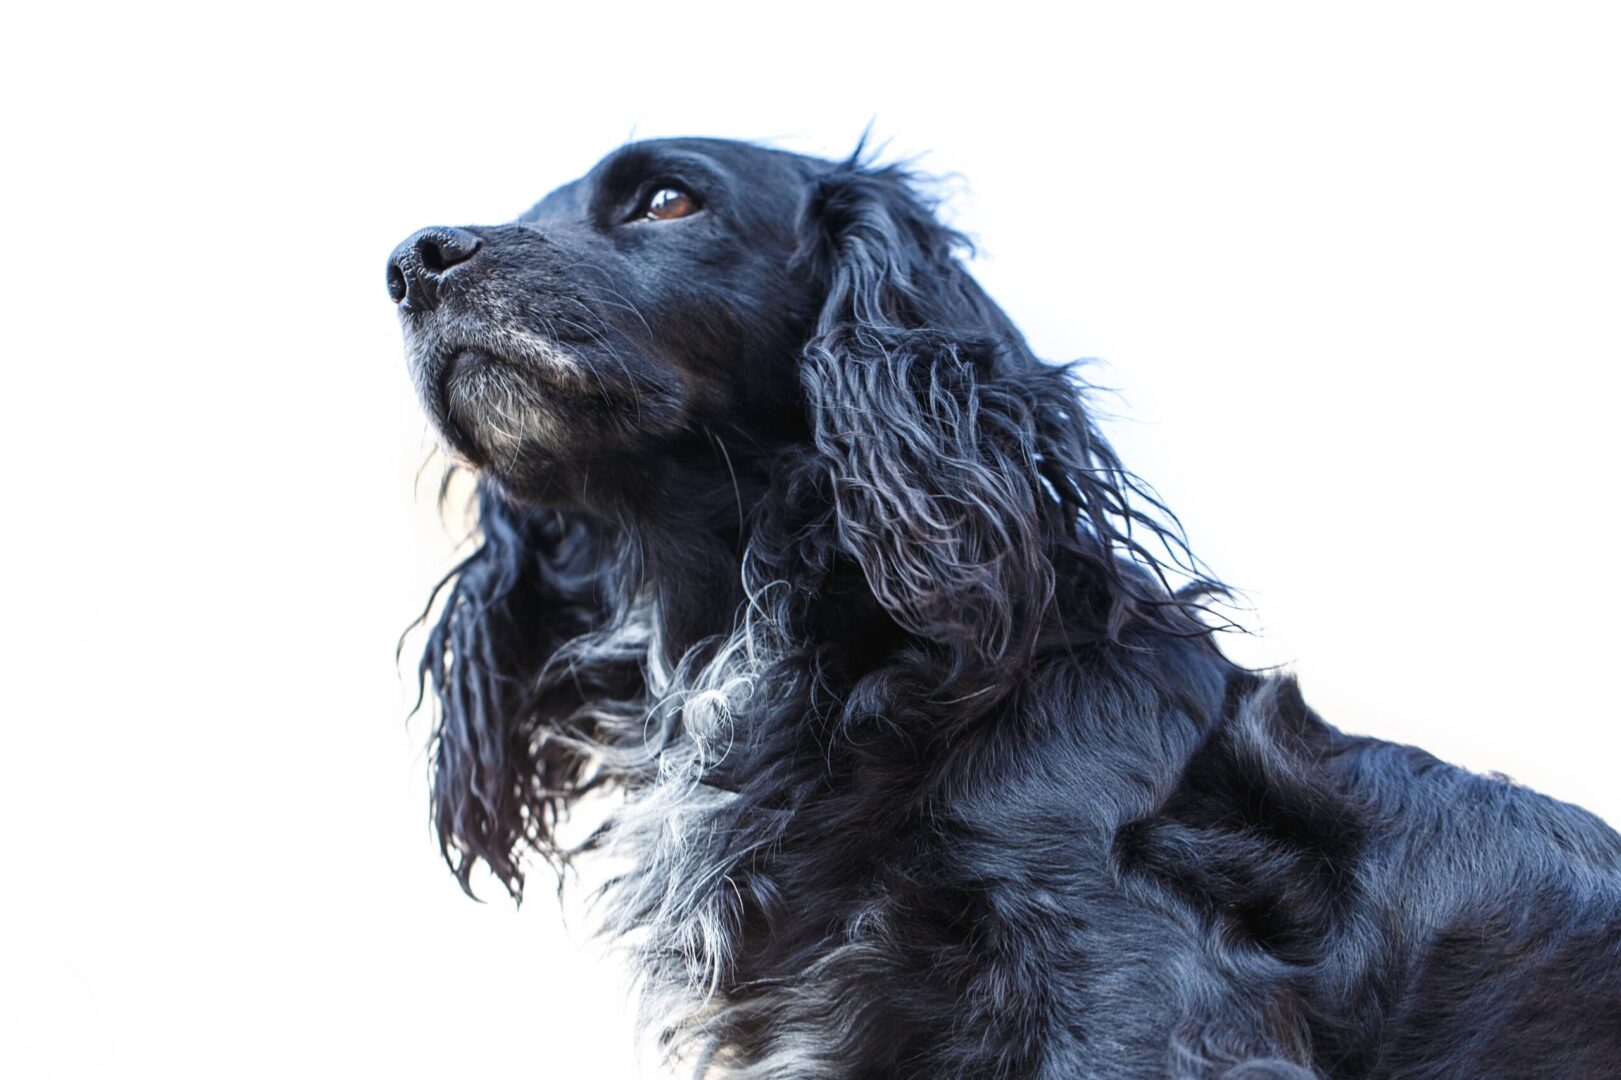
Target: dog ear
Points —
{"points": [[932, 461], [960, 464], [507, 751]]}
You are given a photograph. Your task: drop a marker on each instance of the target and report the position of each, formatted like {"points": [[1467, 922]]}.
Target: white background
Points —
{"points": [[1354, 270]]}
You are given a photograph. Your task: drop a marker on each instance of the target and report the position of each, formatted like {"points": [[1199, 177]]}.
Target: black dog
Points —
{"points": [[922, 766]]}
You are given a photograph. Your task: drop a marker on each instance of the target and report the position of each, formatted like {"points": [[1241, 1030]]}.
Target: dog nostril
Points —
{"points": [[431, 258], [440, 249], [396, 282], [417, 266]]}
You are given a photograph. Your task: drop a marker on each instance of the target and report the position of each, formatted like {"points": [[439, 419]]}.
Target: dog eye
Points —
{"points": [[668, 203]]}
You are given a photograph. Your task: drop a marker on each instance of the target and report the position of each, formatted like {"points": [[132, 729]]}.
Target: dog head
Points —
{"points": [[701, 371], [663, 299], [654, 299]]}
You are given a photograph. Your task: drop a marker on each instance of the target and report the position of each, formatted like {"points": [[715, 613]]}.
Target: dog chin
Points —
{"points": [[517, 413], [492, 412]]}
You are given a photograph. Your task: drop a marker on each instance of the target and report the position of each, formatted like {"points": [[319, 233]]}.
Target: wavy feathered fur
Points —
{"points": [[925, 761]]}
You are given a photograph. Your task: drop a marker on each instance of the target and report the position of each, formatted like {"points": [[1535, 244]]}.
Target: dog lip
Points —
{"points": [[448, 361], [453, 359], [460, 444]]}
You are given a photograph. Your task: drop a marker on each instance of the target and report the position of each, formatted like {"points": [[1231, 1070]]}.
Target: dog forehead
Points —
{"points": [[729, 159], [735, 155]]}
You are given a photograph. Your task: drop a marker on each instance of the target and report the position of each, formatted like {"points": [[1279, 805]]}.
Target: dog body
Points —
{"points": [[921, 765]]}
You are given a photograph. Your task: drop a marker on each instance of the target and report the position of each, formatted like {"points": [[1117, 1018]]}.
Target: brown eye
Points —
{"points": [[669, 203]]}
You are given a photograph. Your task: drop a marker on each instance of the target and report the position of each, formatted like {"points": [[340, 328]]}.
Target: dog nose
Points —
{"points": [[421, 262]]}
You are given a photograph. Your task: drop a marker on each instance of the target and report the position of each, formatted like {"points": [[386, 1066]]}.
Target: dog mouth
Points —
{"points": [[498, 409], [521, 400], [488, 406], [455, 383]]}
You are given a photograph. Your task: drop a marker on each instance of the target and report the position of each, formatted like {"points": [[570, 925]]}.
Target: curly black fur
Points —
{"points": [[923, 759]]}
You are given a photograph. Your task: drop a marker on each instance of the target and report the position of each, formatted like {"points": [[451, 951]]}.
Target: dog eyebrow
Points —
{"points": [[624, 175], [615, 181]]}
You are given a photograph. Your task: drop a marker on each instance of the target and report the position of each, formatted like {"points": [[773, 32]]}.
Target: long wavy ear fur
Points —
{"points": [[506, 752], [961, 465]]}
